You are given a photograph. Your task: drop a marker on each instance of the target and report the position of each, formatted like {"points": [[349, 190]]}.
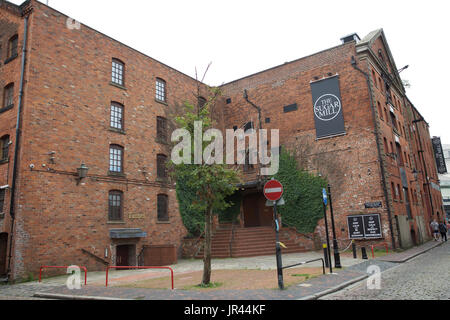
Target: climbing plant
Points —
{"points": [[302, 194]]}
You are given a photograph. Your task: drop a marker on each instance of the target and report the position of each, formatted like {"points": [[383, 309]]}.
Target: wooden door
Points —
{"points": [[251, 211], [3, 250], [122, 255]]}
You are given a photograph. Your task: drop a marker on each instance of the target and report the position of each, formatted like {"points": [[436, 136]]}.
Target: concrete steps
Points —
{"points": [[247, 242]]}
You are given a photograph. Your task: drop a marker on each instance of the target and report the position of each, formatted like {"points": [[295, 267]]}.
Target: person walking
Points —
{"points": [[435, 227], [443, 230]]}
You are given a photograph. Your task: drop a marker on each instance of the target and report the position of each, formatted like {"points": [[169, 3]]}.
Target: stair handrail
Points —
{"points": [[103, 261], [196, 242], [231, 240]]}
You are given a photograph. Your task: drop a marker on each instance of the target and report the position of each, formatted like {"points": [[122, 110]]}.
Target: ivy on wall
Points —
{"points": [[231, 214], [193, 219], [302, 194]]}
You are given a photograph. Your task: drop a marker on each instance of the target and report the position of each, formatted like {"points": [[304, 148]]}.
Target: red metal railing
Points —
{"points": [[62, 267], [384, 245], [134, 267]]}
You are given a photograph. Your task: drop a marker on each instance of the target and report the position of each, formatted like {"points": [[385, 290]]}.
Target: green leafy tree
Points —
{"points": [[206, 185]]}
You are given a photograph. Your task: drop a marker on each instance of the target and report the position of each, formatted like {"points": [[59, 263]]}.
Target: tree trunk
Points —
{"points": [[207, 251]]}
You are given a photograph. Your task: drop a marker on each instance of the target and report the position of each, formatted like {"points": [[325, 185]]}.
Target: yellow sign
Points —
{"points": [[136, 216]]}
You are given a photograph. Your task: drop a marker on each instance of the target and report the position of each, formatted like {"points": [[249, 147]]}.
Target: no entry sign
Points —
{"points": [[273, 190]]}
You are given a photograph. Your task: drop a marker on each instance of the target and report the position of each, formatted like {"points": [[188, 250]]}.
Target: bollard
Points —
{"points": [[325, 254], [364, 253], [355, 256]]}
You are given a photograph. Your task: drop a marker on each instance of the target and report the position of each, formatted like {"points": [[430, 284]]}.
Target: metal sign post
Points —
{"points": [[325, 201], [273, 191], [278, 248]]}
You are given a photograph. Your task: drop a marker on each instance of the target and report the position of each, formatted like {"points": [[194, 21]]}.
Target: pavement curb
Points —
{"points": [[334, 289], [414, 255], [71, 297]]}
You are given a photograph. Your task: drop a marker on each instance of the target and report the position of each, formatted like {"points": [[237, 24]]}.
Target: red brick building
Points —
{"points": [[74, 98]]}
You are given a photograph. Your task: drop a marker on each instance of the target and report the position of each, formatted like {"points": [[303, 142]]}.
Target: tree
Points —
{"points": [[211, 183]]}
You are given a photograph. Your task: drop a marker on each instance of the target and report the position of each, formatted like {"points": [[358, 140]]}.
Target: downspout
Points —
{"points": [[421, 151], [17, 147], [383, 180]]}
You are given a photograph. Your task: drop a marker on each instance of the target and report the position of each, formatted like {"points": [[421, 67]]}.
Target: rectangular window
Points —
{"points": [[163, 213], [115, 208], [8, 100], [161, 129], [160, 90], [4, 144], [116, 159], [117, 72], [116, 120], [2, 200], [161, 166], [12, 50]]}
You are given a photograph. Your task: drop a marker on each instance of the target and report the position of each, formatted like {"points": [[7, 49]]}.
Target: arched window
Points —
{"points": [[118, 72], [201, 102], [4, 144], [163, 206], [115, 158], [161, 93], [116, 118], [115, 205]]}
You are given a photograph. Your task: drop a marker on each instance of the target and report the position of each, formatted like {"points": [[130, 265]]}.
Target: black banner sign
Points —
{"points": [[327, 103], [366, 226], [439, 155]]}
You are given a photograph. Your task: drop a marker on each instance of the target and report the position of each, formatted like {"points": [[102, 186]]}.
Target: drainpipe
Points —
{"points": [[17, 147], [383, 180]]}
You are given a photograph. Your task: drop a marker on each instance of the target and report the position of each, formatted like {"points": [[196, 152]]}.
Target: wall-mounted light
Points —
{"points": [[82, 172]]}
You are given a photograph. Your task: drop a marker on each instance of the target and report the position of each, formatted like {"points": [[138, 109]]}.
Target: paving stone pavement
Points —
{"points": [[425, 277], [354, 270]]}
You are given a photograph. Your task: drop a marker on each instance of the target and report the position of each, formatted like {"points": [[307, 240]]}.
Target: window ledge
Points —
{"points": [[162, 102], [161, 141], [162, 222], [115, 222], [117, 174], [11, 58], [2, 215], [117, 85], [6, 108], [4, 161], [117, 130]]}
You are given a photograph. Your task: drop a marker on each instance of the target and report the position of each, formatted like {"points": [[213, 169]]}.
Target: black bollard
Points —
{"points": [[364, 253], [355, 256], [325, 254]]}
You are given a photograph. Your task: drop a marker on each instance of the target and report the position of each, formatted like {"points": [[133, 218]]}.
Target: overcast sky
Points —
{"points": [[243, 37]]}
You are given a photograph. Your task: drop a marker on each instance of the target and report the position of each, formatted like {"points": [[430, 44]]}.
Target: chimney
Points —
{"points": [[351, 37]]}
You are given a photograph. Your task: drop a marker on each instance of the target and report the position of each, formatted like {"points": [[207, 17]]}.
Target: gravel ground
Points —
{"points": [[425, 277]]}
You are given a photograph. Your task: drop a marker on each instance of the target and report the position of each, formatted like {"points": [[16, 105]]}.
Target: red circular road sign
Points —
{"points": [[273, 190]]}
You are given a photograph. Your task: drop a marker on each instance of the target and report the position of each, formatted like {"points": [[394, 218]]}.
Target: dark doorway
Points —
{"points": [[3, 251], [125, 255], [256, 214]]}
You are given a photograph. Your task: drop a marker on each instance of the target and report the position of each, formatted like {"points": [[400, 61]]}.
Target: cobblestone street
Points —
{"points": [[426, 277]]}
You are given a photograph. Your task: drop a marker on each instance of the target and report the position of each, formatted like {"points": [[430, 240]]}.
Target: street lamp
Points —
{"points": [[82, 172]]}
